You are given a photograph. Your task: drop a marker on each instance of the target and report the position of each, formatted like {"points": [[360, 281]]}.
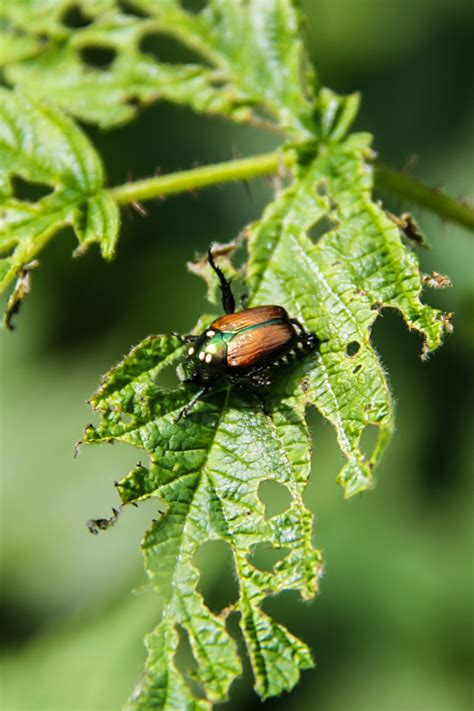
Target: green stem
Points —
{"points": [[241, 169], [386, 178], [403, 185]]}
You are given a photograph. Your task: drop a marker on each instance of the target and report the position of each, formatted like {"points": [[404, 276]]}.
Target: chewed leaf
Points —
{"points": [[249, 63], [207, 470], [41, 146], [333, 258], [337, 284]]}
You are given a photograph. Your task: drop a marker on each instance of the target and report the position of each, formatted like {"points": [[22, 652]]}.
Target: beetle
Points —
{"points": [[240, 347]]}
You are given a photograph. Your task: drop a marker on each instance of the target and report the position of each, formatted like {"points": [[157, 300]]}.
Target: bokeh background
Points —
{"points": [[392, 627]]}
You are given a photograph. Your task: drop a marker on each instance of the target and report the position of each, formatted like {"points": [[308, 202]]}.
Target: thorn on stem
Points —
{"points": [[138, 207]]}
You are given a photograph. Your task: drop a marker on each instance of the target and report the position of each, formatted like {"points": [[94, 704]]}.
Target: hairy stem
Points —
{"points": [[386, 179], [403, 185], [240, 169]]}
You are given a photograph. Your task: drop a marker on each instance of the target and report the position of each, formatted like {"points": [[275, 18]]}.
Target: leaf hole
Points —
{"points": [[217, 581], [352, 348], [218, 82], [321, 227], [97, 57], [265, 556], [275, 497], [74, 18], [186, 663], [194, 7], [128, 7], [357, 368], [7, 250], [166, 49], [368, 440], [167, 377], [285, 608], [29, 190]]}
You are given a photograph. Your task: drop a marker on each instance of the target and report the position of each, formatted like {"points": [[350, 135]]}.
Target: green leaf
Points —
{"points": [[334, 259], [336, 284], [40, 145], [249, 63], [207, 470]]}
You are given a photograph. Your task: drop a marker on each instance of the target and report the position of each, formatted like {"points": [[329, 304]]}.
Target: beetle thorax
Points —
{"points": [[209, 353]]}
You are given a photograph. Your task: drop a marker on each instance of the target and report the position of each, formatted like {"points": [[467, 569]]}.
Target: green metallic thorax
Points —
{"points": [[217, 345]]}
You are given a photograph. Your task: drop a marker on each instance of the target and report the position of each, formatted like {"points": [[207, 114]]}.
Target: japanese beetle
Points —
{"points": [[241, 346]]}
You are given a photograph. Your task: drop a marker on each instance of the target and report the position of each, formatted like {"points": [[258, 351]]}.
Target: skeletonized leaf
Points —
{"points": [[249, 62], [40, 145], [336, 283], [207, 470], [334, 259]]}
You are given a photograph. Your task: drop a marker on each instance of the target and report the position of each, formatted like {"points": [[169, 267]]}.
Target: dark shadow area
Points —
{"points": [[444, 387], [28, 190], [324, 225], [18, 623], [128, 7], [352, 348], [186, 663], [193, 6], [97, 57], [167, 49], [74, 18]]}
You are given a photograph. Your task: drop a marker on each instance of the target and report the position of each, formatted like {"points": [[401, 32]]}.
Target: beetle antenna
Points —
{"points": [[228, 301]]}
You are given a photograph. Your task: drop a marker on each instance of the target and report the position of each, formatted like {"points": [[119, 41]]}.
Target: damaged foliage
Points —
{"points": [[323, 249], [42, 146], [208, 468], [247, 59]]}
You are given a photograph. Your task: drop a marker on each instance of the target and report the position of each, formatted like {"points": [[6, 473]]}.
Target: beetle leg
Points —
{"points": [[263, 404], [260, 399], [249, 389], [297, 323], [254, 381], [260, 379], [308, 339], [184, 412], [243, 300], [228, 301], [185, 339]]}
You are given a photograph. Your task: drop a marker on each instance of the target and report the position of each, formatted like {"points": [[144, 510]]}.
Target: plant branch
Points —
{"points": [[403, 185], [386, 179], [240, 169]]}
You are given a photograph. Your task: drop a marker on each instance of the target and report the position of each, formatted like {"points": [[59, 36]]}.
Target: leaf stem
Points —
{"points": [[399, 183], [240, 169], [386, 179]]}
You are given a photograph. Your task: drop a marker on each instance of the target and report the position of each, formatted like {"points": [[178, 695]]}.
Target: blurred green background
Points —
{"points": [[392, 627]]}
